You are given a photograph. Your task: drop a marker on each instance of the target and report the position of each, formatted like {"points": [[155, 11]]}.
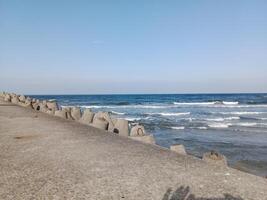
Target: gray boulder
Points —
{"points": [[7, 97], [107, 117], [68, 112], [87, 116], [22, 98], [214, 157], [61, 113], [43, 107], [36, 106], [178, 148], [100, 123], [52, 105], [15, 100], [137, 130], [76, 113], [28, 100], [121, 127]]}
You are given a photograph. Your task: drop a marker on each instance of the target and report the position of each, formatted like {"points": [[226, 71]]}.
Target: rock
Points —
{"points": [[146, 139], [15, 100], [43, 108], [28, 100], [28, 105], [68, 112], [121, 127], [100, 123], [87, 116], [137, 130], [178, 148], [214, 157], [50, 112], [52, 105], [61, 113], [7, 97], [36, 106], [76, 113], [22, 98], [107, 117]]}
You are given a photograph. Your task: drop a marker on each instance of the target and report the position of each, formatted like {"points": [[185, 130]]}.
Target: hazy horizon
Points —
{"points": [[133, 47]]}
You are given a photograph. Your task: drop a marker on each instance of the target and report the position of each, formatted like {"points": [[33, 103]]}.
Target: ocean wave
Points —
{"points": [[178, 127], [170, 114], [117, 113], [230, 102], [202, 127], [240, 113], [222, 119], [215, 119], [207, 103], [219, 125], [132, 119], [246, 124], [193, 103], [250, 124]]}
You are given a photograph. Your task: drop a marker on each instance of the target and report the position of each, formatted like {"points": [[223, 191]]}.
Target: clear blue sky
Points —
{"points": [[140, 46]]}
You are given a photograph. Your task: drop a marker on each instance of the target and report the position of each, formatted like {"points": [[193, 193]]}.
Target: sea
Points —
{"points": [[232, 124]]}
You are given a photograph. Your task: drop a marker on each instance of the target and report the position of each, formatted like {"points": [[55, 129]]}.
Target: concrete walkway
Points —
{"points": [[45, 157]]}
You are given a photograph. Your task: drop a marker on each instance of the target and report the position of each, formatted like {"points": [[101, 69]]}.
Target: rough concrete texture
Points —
{"points": [[47, 157], [121, 127], [215, 158], [87, 116], [146, 139], [138, 130], [178, 148]]}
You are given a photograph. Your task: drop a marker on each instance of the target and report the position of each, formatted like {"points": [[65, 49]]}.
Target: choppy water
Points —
{"points": [[233, 124]]}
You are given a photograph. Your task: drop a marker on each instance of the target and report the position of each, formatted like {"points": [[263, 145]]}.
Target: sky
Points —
{"points": [[141, 46]]}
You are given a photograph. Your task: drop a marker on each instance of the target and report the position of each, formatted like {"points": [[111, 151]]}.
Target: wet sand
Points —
{"points": [[43, 156]]}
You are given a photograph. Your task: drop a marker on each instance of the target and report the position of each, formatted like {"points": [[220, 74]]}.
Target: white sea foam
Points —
{"points": [[178, 127], [240, 113], [230, 102], [247, 124], [222, 119], [170, 114], [215, 119], [202, 127], [117, 113], [193, 103], [207, 103], [219, 125], [133, 118], [232, 118]]}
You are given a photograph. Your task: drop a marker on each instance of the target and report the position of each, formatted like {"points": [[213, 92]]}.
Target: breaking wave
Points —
{"points": [[207, 103], [178, 127], [117, 113], [170, 114]]}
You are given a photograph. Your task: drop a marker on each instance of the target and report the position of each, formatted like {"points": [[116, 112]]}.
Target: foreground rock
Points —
{"points": [[178, 148], [214, 157]]}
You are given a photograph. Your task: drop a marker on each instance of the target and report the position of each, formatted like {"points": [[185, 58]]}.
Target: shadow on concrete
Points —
{"points": [[183, 193]]}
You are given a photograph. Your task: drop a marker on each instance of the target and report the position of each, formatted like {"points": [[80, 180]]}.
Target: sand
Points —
{"points": [[46, 157]]}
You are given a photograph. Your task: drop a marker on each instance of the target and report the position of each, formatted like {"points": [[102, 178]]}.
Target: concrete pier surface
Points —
{"points": [[46, 157]]}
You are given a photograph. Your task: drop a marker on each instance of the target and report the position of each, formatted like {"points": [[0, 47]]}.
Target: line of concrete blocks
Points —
{"points": [[100, 120], [104, 121]]}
